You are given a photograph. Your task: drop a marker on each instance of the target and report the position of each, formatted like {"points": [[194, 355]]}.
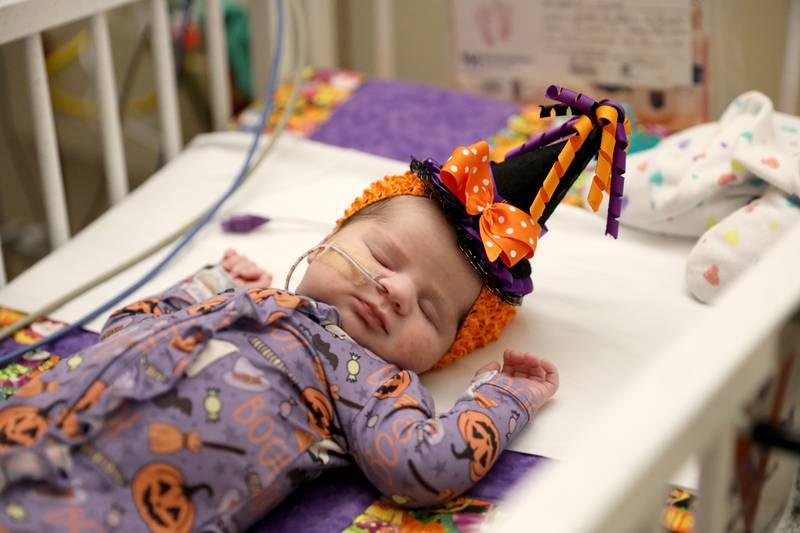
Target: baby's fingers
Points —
{"points": [[516, 362], [524, 364], [250, 270], [532, 372], [231, 260], [258, 284], [262, 281], [551, 373]]}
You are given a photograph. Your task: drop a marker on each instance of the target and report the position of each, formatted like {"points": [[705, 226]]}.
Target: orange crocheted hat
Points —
{"points": [[499, 209]]}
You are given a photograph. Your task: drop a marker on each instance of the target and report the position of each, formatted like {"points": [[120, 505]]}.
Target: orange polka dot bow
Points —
{"points": [[506, 231]]}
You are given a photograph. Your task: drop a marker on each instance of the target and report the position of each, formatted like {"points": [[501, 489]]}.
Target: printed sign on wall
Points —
{"points": [[629, 43], [647, 53]]}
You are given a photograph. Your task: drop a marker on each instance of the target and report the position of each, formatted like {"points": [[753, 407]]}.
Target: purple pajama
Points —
{"points": [[204, 416]]}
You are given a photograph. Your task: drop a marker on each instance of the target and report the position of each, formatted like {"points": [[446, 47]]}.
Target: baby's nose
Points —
{"points": [[399, 293]]}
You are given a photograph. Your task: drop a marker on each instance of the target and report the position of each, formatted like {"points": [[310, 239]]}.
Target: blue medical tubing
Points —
{"points": [[4, 359]]}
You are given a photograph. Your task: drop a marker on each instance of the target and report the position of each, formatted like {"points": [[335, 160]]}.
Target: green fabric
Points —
{"points": [[237, 32]]}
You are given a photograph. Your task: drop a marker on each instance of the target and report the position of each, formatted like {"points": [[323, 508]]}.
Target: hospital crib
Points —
{"points": [[647, 431]]}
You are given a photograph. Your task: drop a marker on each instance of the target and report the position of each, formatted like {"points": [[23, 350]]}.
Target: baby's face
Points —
{"points": [[429, 284]]}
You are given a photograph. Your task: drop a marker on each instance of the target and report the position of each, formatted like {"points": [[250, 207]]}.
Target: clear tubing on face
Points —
{"points": [[348, 264]]}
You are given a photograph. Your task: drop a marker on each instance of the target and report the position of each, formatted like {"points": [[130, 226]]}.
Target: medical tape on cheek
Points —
{"points": [[358, 269], [352, 266]]}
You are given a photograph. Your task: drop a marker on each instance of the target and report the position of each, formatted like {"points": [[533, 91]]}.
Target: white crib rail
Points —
{"points": [[218, 62], [116, 173], [46, 142], [28, 18], [688, 401], [165, 79]]}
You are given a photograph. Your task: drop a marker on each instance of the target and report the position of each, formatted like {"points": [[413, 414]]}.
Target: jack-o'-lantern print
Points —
{"points": [[482, 440], [148, 306], [208, 305], [163, 498], [303, 439], [68, 420], [258, 295], [320, 411], [37, 386], [188, 343], [22, 425], [284, 299], [275, 316], [394, 386]]}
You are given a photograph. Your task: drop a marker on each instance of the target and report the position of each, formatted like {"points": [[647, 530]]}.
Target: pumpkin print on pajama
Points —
{"points": [[205, 415]]}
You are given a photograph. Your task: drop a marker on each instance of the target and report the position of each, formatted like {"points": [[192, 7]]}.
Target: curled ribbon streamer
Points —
{"points": [[617, 170], [507, 232], [582, 127], [607, 116], [575, 100], [544, 138], [587, 106]]}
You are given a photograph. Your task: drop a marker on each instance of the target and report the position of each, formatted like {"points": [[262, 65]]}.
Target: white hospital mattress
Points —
{"points": [[600, 309]]}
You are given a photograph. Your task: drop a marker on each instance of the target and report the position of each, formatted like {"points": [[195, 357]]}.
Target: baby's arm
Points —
{"points": [[232, 271], [539, 375], [418, 459]]}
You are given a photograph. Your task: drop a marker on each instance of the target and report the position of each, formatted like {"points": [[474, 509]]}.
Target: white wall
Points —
{"points": [[746, 43]]}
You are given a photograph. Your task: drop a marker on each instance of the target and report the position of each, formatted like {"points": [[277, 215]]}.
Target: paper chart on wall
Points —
{"points": [[644, 43]]}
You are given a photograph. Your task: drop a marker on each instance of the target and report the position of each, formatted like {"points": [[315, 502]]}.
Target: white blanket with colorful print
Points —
{"points": [[733, 183]]}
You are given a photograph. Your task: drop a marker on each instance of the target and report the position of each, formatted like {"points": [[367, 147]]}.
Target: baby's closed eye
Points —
{"points": [[381, 257], [429, 310]]}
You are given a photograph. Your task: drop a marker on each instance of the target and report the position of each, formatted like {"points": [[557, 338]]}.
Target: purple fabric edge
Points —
{"points": [[332, 501]]}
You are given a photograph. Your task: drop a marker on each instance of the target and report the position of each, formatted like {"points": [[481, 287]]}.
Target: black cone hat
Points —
{"points": [[520, 178]]}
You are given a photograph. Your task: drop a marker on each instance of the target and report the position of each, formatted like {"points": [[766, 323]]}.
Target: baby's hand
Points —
{"points": [[245, 273], [539, 375]]}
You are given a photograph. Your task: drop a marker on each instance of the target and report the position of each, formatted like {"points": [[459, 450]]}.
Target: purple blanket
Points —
{"points": [[397, 120], [329, 503]]}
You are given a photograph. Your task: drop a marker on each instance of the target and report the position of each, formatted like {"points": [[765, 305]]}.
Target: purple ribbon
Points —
{"points": [[584, 105]]}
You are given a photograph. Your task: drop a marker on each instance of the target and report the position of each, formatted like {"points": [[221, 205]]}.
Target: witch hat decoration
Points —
{"points": [[499, 209], [608, 131]]}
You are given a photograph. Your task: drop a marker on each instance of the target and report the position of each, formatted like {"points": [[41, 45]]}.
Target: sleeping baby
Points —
{"points": [[203, 407]]}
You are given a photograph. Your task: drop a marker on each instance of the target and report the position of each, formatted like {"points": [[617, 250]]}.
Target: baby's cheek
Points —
{"points": [[417, 352]]}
